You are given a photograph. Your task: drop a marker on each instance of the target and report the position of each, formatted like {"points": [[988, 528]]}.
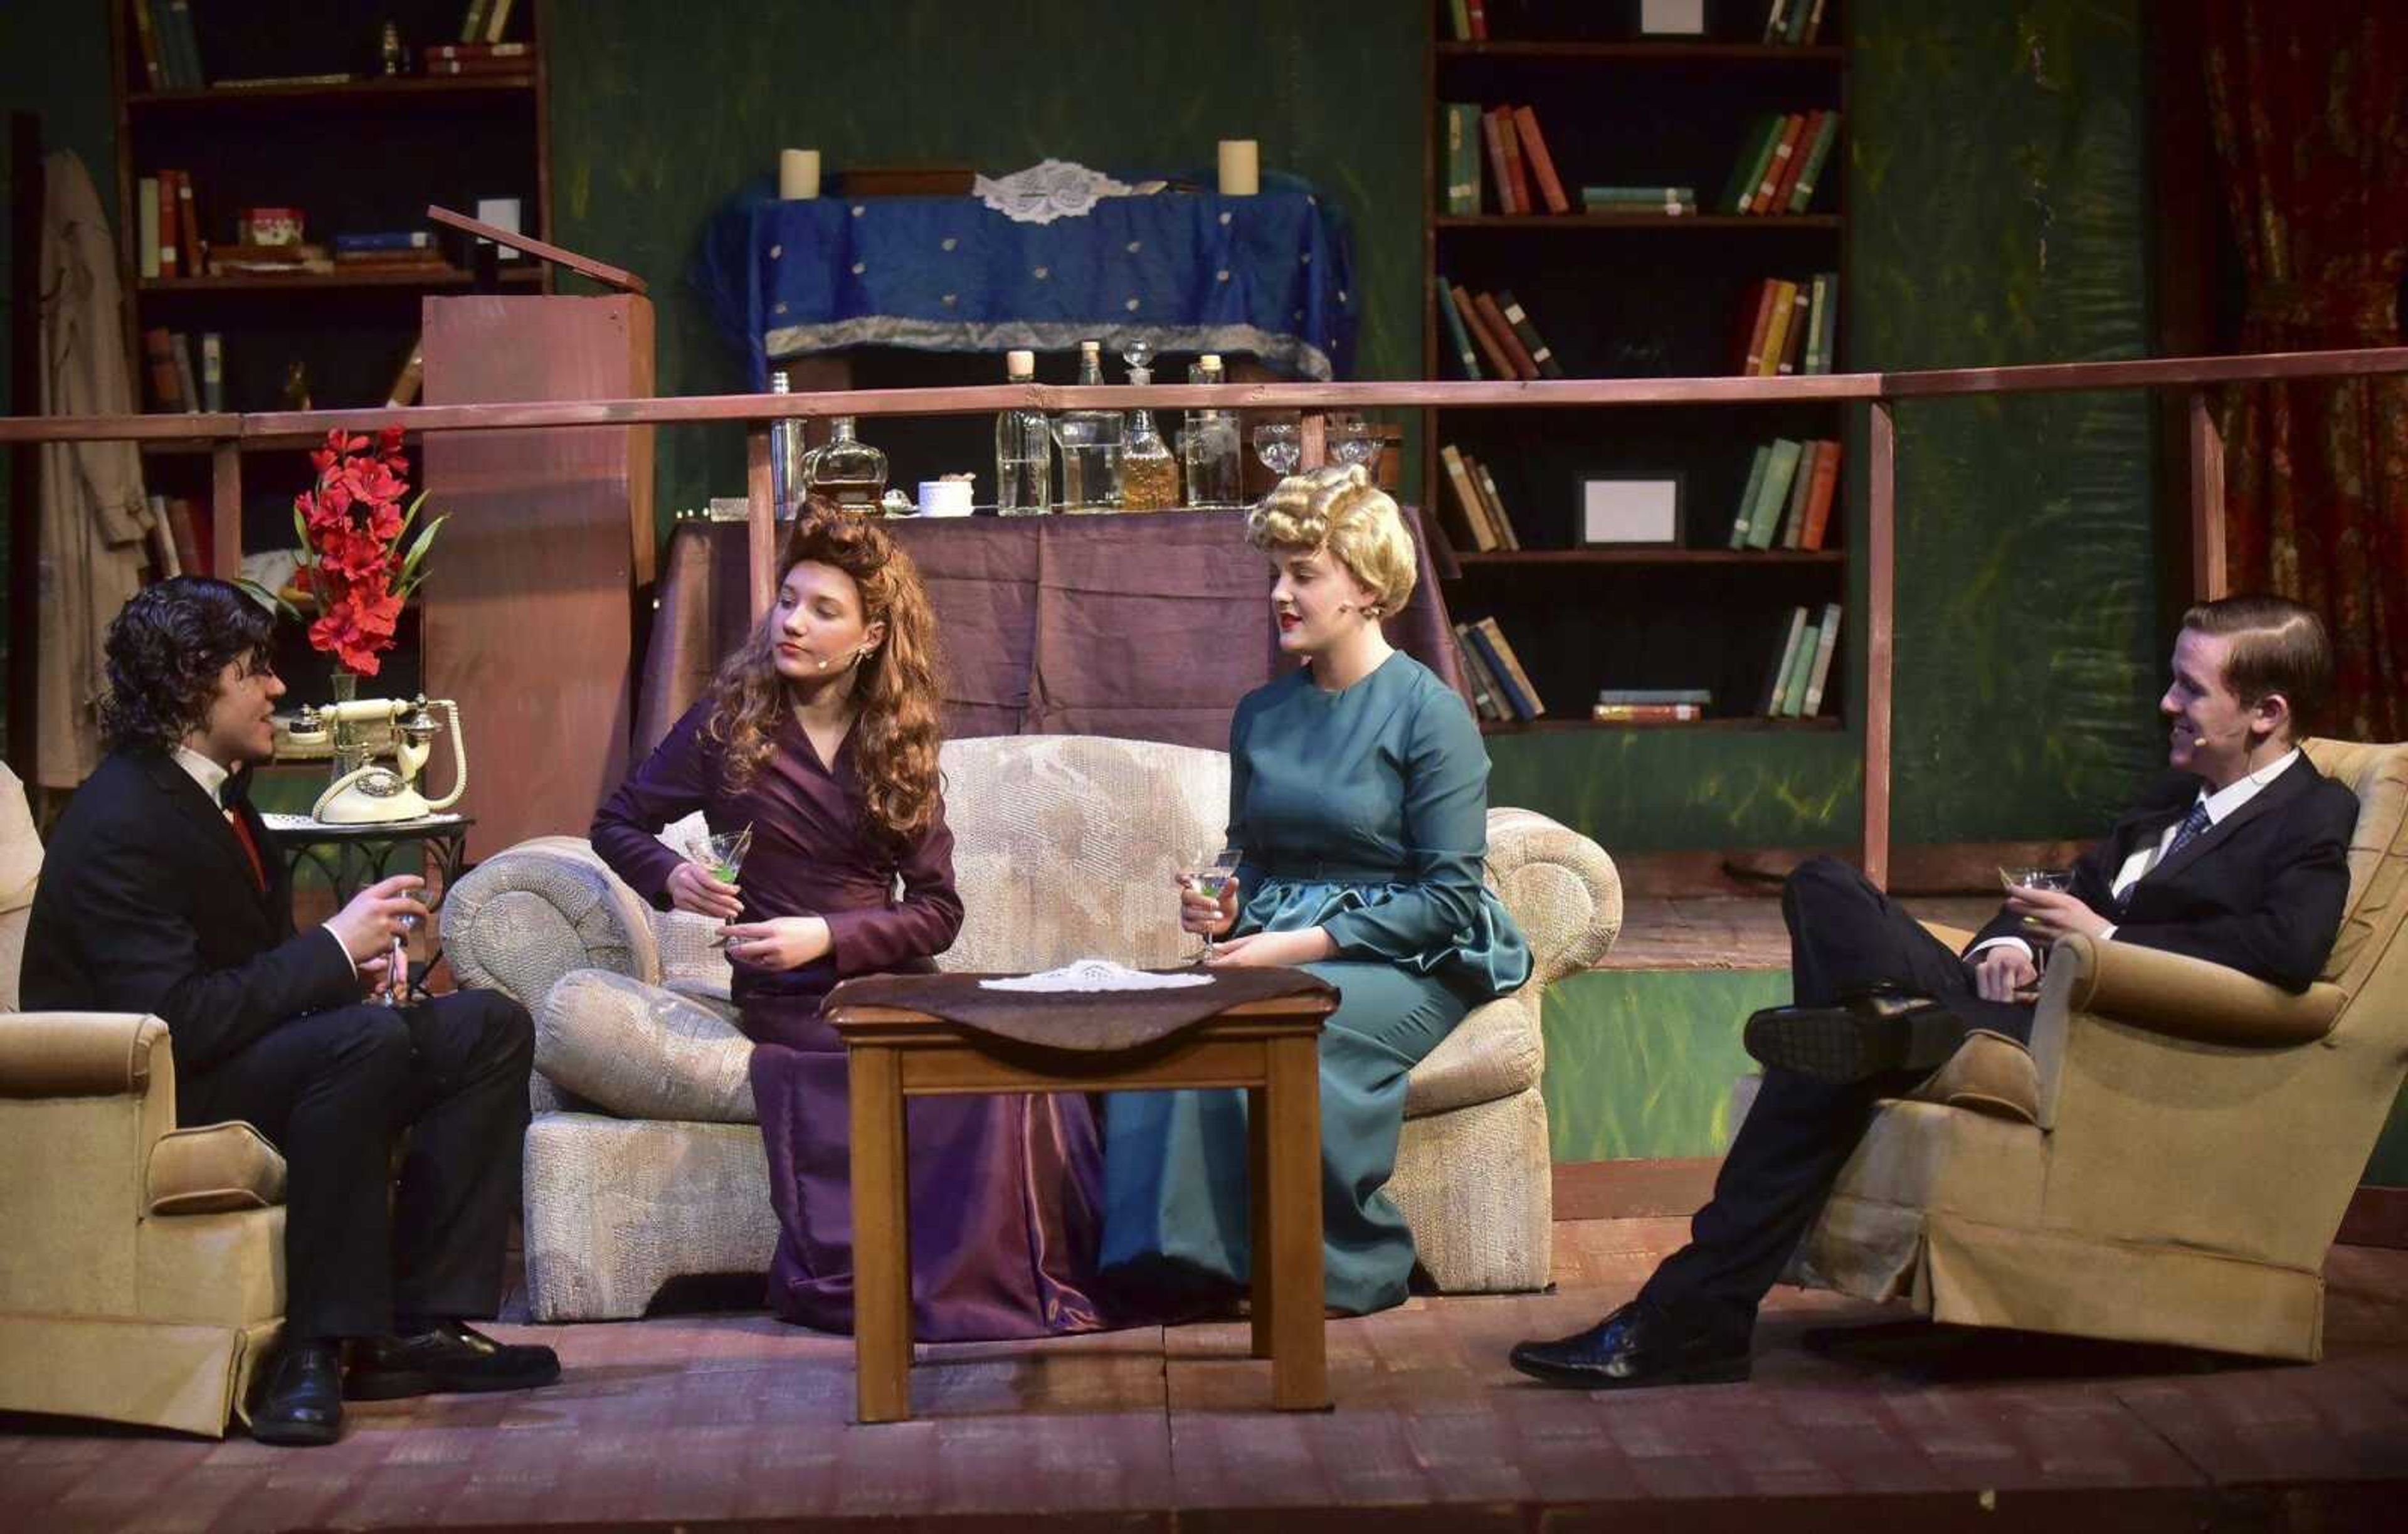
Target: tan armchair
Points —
{"points": [[2170, 1160], [643, 1161], [142, 1270]]}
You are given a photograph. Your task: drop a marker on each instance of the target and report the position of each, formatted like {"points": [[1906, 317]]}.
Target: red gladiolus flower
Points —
{"points": [[353, 521]]}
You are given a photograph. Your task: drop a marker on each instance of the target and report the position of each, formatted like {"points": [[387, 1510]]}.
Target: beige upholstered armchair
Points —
{"points": [[2171, 1158], [643, 1161], [142, 1270]]}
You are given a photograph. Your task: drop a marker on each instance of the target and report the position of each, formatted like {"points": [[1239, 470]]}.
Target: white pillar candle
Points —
{"points": [[1242, 173], [798, 173]]}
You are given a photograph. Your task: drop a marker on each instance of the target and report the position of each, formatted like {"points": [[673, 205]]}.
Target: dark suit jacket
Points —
{"points": [[148, 904], [2260, 891]]}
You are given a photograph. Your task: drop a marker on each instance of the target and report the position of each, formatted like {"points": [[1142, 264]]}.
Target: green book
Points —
{"points": [[1801, 671], [1764, 519], [1824, 320], [1826, 134], [1775, 691], [1456, 336], [1460, 14], [1463, 152], [1747, 496], [1755, 151], [1639, 193]]}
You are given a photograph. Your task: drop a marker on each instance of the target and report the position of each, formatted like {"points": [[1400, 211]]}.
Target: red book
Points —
{"points": [[1491, 136], [1820, 495], [1793, 340], [1514, 167], [1500, 360], [1476, 12], [1759, 327], [1525, 366], [159, 351], [1543, 165], [1785, 153], [188, 224], [171, 260], [1778, 202]]}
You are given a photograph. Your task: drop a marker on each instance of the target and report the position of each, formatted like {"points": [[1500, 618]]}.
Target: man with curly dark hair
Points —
{"points": [[155, 897]]}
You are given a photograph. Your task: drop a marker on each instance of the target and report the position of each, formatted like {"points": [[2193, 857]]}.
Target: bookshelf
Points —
{"points": [[362, 154], [1637, 293]]}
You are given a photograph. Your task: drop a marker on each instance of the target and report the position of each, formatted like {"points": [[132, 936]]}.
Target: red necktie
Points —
{"points": [[250, 848]]}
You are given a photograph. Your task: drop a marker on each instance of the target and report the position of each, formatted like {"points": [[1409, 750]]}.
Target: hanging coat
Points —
{"points": [[95, 520]]}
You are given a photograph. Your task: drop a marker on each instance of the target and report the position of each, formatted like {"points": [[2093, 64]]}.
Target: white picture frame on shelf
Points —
{"points": [[1671, 18], [1625, 511]]}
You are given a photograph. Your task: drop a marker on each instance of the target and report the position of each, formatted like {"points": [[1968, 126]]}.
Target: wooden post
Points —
{"points": [[1262, 1291], [1881, 558], [881, 1236], [1299, 1360], [761, 525], [2209, 577], [1312, 441], [225, 509]]}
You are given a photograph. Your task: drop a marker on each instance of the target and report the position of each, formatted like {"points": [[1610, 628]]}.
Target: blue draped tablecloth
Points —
{"points": [[1269, 277]]}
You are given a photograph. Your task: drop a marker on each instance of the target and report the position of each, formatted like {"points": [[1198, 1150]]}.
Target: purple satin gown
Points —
{"points": [[1006, 1191]]}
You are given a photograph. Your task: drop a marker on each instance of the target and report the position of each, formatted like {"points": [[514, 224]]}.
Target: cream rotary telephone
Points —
{"points": [[375, 794]]}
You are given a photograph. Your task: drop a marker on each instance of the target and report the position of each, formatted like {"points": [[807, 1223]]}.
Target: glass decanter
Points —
{"points": [[847, 470], [1149, 474], [1207, 449], [1091, 442], [1023, 450]]}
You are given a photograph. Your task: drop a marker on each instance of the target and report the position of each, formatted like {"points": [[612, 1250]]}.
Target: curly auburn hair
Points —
{"points": [[1339, 509], [165, 650], [897, 689]]}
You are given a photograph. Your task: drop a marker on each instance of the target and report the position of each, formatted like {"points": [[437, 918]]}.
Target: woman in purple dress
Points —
{"points": [[821, 734]]}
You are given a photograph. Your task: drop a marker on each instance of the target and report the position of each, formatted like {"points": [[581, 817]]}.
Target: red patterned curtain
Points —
{"points": [[2309, 100]]}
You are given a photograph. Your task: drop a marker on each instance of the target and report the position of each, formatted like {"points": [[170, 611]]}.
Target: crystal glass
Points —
{"points": [[397, 992], [721, 853], [1148, 473], [2060, 880], [1278, 445], [1351, 439], [1211, 875]]}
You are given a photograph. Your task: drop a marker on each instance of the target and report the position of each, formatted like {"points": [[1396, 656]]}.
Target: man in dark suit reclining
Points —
{"points": [[2239, 859], [155, 897]]}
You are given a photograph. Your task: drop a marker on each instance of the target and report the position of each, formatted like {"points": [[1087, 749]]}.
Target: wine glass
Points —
{"points": [[397, 974], [1279, 444], [2060, 880], [1351, 439], [1211, 875], [721, 854]]}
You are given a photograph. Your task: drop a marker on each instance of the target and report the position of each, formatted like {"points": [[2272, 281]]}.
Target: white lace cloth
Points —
{"points": [[1094, 975], [1053, 189]]}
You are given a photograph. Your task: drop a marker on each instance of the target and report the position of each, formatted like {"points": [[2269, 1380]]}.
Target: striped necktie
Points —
{"points": [[2192, 825]]}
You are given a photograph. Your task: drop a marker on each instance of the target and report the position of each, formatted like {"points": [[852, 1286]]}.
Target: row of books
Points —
{"points": [[175, 384], [171, 55], [478, 59], [1495, 327], [1787, 326], [1470, 20], [1651, 704], [486, 22], [167, 224], [1521, 172], [185, 545], [1795, 688], [1781, 163], [1797, 23], [1500, 689], [1484, 526], [1787, 502]]}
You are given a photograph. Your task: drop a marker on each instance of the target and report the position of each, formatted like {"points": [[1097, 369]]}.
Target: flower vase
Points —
{"points": [[350, 737]]}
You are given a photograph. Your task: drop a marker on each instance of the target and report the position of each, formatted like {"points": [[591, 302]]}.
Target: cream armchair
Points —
{"points": [[142, 1274], [643, 1163], [2170, 1160]]}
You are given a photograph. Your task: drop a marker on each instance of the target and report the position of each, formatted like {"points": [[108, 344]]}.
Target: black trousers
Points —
{"points": [[332, 1090], [1844, 937]]}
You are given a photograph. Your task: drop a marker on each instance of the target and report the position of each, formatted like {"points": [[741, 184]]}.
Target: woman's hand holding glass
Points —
{"points": [[705, 883], [782, 943], [1207, 896]]}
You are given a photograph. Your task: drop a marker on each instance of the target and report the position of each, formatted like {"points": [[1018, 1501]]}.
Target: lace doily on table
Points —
{"points": [[1095, 975], [1053, 189]]}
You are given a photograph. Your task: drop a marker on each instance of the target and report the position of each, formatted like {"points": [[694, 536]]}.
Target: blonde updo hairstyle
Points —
{"points": [[1341, 509]]}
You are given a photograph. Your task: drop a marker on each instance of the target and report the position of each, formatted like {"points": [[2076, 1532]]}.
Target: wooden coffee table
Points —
{"points": [[1268, 1047]]}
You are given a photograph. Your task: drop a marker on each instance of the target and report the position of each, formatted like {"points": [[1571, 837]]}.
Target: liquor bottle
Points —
{"points": [[847, 470], [786, 457], [1023, 450], [1208, 448], [1091, 442], [1149, 474]]}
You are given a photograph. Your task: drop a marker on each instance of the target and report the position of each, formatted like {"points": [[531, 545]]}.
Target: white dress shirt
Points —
{"points": [[2223, 802], [213, 778]]}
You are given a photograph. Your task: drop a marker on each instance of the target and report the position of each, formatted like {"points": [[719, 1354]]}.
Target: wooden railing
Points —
{"points": [[227, 436]]}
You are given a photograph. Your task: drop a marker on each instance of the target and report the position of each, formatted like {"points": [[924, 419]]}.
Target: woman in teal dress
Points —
{"points": [[1358, 793]]}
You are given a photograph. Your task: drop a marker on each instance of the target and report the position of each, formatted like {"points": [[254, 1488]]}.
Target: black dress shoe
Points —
{"points": [[301, 1401], [1877, 1034], [1633, 1348], [450, 1357]]}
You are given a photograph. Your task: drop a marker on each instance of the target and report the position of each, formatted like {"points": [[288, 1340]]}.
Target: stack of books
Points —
{"points": [[1520, 168], [388, 250], [1795, 22], [1787, 326], [1787, 502], [1781, 163], [187, 547], [1651, 704], [175, 384], [1483, 523], [171, 55], [1627, 201], [167, 226], [1494, 327], [1795, 688], [1469, 19], [1500, 689]]}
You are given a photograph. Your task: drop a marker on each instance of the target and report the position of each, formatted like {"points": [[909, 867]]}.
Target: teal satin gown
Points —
{"points": [[1364, 812]]}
